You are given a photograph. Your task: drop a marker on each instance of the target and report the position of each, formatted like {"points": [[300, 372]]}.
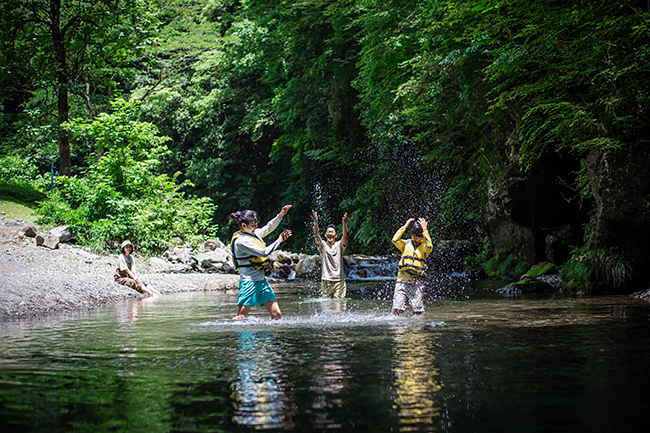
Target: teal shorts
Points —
{"points": [[255, 293]]}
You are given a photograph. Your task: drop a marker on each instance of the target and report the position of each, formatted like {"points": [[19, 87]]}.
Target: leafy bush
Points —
{"points": [[20, 180], [121, 196], [593, 269]]}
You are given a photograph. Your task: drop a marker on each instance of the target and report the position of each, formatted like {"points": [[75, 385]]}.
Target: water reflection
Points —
{"points": [[330, 380], [259, 395], [415, 378]]}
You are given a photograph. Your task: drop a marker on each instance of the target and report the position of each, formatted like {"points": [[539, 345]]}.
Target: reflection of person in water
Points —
{"points": [[330, 382], [259, 396], [415, 378]]}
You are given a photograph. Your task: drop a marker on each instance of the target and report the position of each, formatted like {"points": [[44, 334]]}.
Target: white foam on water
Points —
{"points": [[323, 320]]}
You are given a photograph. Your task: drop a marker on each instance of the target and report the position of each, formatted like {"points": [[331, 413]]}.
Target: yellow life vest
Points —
{"points": [[255, 261], [413, 260]]}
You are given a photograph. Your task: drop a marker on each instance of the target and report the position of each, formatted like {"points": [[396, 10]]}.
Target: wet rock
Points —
{"points": [[47, 240], [63, 233], [29, 231], [525, 286]]}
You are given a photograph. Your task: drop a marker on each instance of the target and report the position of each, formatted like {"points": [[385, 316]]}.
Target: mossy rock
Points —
{"points": [[543, 268], [526, 286]]}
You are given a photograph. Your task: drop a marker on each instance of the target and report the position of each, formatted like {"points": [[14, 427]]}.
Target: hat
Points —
{"points": [[124, 244]]}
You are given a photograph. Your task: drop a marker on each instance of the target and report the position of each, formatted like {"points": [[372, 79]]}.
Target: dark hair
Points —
{"points": [[245, 217], [416, 229], [331, 225]]}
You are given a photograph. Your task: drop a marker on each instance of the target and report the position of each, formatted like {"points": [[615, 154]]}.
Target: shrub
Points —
{"points": [[20, 180], [594, 269], [121, 196]]}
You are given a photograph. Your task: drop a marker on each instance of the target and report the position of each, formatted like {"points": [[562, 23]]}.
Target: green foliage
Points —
{"points": [[593, 270], [504, 265], [384, 110], [121, 195], [544, 268], [20, 180], [64, 58]]}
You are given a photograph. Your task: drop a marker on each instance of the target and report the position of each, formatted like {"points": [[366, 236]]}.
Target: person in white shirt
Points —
{"points": [[333, 273], [126, 273], [250, 256]]}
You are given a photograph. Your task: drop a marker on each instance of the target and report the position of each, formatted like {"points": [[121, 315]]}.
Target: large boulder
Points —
{"points": [[63, 233], [47, 240], [620, 183], [309, 267]]}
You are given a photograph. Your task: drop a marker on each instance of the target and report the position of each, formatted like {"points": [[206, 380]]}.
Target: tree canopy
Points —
{"points": [[380, 109]]}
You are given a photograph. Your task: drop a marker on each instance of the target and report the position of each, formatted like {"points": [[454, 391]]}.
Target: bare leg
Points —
{"points": [[274, 309], [396, 312], [242, 312]]}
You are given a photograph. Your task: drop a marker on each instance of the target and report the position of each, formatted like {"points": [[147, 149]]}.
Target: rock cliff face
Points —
{"points": [[530, 214], [620, 181]]}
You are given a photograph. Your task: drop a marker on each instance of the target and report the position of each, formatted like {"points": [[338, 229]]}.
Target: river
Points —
{"points": [[475, 362]]}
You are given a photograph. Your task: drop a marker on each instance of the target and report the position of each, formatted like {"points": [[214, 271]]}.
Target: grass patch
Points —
{"points": [[22, 193], [14, 210]]}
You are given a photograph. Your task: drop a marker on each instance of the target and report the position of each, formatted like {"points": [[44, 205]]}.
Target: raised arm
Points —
{"points": [[274, 223], [317, 237], [428, 243], [344, 236], [397, 238]]}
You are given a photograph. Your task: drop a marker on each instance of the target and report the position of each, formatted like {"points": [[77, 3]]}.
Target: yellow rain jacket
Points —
{"points": [[413, 262]]}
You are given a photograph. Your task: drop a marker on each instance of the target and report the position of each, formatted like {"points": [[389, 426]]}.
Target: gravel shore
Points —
{"points": [[36, 281]]}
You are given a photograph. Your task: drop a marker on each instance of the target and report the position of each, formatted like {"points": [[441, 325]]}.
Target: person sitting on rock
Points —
{"points": [[126, 275], [332, 281], [410, 278]]}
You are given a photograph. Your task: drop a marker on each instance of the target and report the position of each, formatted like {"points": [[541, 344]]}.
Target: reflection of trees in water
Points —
{"points": [[415, 378], [259, 394], [329, 380]]}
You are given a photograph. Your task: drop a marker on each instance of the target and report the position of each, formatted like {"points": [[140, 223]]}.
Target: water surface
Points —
{"points": [[471, 363]]}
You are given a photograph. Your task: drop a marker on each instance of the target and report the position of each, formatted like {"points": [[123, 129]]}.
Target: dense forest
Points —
{"points": [[501, 121]]}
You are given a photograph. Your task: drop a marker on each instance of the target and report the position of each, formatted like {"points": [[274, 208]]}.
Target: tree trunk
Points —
{"points": [[62, 91]]}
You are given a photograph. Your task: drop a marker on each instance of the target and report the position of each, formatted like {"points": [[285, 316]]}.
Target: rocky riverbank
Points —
{"points": [[37, 281]]}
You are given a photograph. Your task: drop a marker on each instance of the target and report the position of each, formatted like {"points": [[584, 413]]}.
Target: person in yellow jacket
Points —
{"points": [[250, 253], [412, 266]]}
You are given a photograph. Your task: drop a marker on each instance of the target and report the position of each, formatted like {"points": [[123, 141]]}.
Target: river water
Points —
{"points": [[475, 362]]}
